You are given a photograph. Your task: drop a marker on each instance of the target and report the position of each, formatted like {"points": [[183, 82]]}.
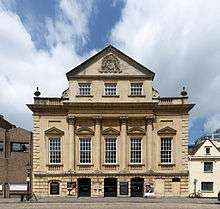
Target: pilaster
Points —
{"points": [[123, 143]]}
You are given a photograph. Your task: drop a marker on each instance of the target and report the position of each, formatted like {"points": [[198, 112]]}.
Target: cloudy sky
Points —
{"points": [[179, 40]]}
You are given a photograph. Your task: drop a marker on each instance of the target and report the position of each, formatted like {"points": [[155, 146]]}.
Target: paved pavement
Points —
{"points": [[111, 203]]}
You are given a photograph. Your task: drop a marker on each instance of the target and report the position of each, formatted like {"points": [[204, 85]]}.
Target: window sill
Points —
{"points": [[136, 95], [110, 164], [84, 95], [111, 96], [203, 191], [85, 164], [136, 164], [55, 165], [167, 164], [208, 171]]}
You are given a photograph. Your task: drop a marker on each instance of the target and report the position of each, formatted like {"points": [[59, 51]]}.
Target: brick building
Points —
{"points": [[14, 158]]}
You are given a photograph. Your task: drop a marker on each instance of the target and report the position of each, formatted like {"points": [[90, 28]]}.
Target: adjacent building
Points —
{"points": [[204, 166], [14, 158], [110, 133]]}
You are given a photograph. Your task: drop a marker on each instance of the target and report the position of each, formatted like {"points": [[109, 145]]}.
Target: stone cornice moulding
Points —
{"points": [[54, 131]]}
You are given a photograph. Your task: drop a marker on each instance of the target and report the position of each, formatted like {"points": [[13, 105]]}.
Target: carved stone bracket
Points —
{"points": [[149, 119], [71, 119]]}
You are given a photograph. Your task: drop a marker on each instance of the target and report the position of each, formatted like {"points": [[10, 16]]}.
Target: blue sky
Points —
{"points": [[44, 39]]}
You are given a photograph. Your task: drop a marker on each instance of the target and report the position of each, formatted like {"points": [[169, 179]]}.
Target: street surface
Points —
{"points": [[111, 203]]}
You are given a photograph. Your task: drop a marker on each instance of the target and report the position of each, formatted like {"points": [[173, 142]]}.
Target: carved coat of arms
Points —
{"points": [[110, 64]]}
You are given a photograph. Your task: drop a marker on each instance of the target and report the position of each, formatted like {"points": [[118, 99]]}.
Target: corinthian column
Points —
{"points": [[150, 147], [123, 143], [71, 125], [97, 148]]}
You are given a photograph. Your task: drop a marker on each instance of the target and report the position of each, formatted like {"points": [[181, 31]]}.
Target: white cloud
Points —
{"points": [[179, 41], [23, 66], [213, 123]]}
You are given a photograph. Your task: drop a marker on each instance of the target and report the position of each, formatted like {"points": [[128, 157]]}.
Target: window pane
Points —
{"points": [[207, 186], [19, 147], [110, 150], [54, 150], [85, 150], [1, 146], [208, 166], [165, 150], [135, 150]]}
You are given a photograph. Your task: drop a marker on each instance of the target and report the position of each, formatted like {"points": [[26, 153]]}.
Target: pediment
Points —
{"points": [[110, 131], [84, 131], [110, 62], [54, 131], [136, 130], [167, 130]]}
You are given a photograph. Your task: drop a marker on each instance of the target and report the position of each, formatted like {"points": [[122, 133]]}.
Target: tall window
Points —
{"points": [[208, 167], [1, 146], [135, 150], [166, 150], [136, 89], [110, 150], [110, 89], [85, 150], [54, 150], [207, 186], [84, 89]]}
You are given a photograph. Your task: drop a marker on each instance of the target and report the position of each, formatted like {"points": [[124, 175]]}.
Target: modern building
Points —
{"points": [[110, 133], [204, 167], [14, 158]]}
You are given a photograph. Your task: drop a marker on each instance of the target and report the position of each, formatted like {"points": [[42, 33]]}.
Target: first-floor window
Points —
{"points": [[135, 150], [166, 150], [54, 188], [207, 186], [54, 151], [208, 166], [85, 150], [110, 150]]}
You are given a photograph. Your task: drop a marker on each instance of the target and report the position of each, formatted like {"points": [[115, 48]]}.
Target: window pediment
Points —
{"points": [[110, 131], [54, 131], [84, 131], [136, 130], [167, 131]]}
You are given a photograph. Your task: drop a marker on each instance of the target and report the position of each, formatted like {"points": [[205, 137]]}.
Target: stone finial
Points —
{"points": [[37, 93], [183, 92]]}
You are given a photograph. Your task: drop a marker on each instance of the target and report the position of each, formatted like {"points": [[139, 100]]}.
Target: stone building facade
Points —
{"points": [[15, 155], [110, 134]]}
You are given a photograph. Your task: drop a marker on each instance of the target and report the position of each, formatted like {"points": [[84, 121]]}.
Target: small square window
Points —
{"points": [[136, 89], [110, 89], [207, 150], [208, 167], [207, 186], [84, 89]]}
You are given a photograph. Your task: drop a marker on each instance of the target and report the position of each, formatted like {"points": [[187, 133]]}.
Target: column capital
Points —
{"points": [[97, 118], [149, 119], [71, 119], [123, 119]]}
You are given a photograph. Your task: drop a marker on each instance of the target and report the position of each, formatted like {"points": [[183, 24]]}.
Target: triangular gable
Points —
{"points": [[54, 131], [113, 52], [167, 130], [136, 130], [203, 144], [111, 131], [84, 131]]}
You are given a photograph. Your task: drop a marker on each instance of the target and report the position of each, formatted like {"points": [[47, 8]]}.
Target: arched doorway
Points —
{"points": [[137, 187], [110, 187], [84, 187]]}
